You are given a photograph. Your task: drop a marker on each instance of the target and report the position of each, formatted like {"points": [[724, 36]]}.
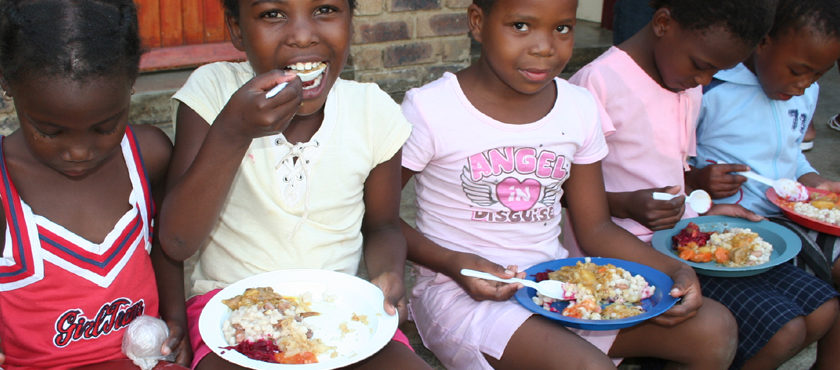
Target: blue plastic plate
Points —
{"points": [[660, 302], [786, 244]]}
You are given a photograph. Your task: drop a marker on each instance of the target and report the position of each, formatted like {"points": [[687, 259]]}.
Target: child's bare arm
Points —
{"points": [[599, 236], [423, 251], [717, 179], [207, 157], [640, 206], [169, 274], [814, 180], [384, 244]]}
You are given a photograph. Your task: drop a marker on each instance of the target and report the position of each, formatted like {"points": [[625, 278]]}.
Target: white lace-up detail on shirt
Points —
{"points": [[293, 168]]}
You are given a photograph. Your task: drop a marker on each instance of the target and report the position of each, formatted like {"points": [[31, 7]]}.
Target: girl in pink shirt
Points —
{"points": [[494, 148]]}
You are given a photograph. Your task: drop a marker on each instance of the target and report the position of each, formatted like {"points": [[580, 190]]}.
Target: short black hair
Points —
{"points": [[485, 5], [76, 39], [748, 20], [232, 7], [822, 16]]}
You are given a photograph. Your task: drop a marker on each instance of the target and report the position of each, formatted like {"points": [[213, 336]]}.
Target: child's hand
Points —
{"points": [[177, 343], [393, 288], [687, 287], [733, 210], [248, 114], [717, 179], [832, 186], [481, 289], [654, 214]]}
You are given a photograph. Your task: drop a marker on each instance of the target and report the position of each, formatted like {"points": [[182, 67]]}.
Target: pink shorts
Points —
{"points": [[200, 349], [469, 328]]}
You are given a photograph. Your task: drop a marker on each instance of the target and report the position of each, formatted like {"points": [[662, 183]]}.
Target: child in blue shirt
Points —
{"points": [[754, 116]]}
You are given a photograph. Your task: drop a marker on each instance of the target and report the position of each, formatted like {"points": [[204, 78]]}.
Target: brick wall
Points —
{"points": [[406, 43]]}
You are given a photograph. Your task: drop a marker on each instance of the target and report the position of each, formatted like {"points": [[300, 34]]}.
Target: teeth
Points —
{"points": [[306, 67], [308, 71]]}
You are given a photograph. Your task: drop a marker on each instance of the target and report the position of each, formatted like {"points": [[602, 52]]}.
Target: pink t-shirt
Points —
{"points": [[491, 188], [650, 130]]}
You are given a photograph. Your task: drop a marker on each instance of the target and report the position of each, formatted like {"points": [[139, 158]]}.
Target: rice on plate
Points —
{"points": [[601, 292]]}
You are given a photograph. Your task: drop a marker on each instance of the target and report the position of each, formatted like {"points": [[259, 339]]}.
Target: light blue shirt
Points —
{"points": [[739, 124]]}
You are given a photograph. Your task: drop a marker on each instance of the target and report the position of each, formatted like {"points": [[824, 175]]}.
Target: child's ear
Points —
{"points": [[232, 24], [661, 22], [763, 44], [475, 17]]}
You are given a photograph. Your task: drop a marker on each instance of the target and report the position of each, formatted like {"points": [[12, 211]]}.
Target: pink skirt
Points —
{"points": [[460, 330]]}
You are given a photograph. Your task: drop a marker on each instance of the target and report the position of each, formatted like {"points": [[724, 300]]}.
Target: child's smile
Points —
{"points": [[528, 43], [308, 38]]}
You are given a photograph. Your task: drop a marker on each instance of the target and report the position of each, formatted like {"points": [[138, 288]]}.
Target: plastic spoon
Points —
{"points": [[550, 288], [699, 200], [786, 188], [308, 76]]}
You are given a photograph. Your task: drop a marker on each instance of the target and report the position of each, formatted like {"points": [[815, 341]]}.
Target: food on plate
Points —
{"points": [[602, 292], [734, 247], [819, 206], [266, 326]]}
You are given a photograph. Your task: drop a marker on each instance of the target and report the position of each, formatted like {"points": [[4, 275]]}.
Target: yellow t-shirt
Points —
{"points": [[282, 213]]}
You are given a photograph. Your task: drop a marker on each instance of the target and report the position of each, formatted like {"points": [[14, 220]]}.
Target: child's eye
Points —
{"points": [[107, 130], [325, 10], [49, 134], [519, 26], [564, 29], [272, 14], [796, 72]]}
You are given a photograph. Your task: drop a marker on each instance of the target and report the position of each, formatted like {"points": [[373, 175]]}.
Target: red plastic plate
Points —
{"points": [[811, 223]]}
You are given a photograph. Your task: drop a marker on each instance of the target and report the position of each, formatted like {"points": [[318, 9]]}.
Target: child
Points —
{"points": [[308, 178], [494, 201], [755, 115], [653, 94], [80, 187]]}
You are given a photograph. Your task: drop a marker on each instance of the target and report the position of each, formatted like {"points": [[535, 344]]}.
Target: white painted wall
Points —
{"points": [[590, 10]]}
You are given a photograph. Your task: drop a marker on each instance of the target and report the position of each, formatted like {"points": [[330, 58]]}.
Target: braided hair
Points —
{"points": [[232, 7], [75, 39]]}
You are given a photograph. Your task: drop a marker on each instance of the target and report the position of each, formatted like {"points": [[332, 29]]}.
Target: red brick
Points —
{"points": [[383, 31], [404, 5], [407, 54], [443, 25]]}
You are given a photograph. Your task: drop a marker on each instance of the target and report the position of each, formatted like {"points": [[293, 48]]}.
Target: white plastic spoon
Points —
{"points": [[550, 288], [699, 200], [786, 188], [307, 76]]}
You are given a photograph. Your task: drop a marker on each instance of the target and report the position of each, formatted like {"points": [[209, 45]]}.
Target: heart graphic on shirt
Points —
{"points": [[518, 195]]}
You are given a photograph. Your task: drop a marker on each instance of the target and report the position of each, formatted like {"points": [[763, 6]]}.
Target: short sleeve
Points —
{"points": [[594, 147], [419, 150], [391, 129], [209, 88], [592, 81]]}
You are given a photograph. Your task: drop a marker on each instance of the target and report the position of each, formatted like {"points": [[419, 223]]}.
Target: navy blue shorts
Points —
{"points": [[763, 303]]}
